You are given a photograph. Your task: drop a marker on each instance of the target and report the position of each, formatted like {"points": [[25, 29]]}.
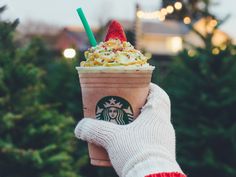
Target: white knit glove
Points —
{"points": [[145, 146]]}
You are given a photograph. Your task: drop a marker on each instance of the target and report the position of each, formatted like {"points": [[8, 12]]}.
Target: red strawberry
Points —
{"points": [[115, 31]]}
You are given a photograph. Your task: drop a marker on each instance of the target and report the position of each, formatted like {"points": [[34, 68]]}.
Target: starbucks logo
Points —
{"points": [[114, 109]]}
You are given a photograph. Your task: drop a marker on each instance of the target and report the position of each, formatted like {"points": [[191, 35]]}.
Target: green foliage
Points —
{"points": [[202, 90], [63, 88], [35, 138]]}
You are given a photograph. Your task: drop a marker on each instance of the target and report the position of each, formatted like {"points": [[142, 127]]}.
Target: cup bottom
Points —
{"points": [[102, 163]]}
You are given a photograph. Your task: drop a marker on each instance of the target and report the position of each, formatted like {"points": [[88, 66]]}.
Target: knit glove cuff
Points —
{"points": [[173, 174]]}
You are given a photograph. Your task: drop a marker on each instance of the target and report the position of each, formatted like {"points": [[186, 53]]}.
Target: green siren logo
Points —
{"points": [[114, 109]]}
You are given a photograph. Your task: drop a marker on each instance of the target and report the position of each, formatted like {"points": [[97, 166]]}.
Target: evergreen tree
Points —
{"points": [[63, 88], [201, 84], [35, 140]]}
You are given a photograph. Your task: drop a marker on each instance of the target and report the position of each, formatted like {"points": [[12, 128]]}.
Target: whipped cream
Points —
{"points": [[114, 53]]}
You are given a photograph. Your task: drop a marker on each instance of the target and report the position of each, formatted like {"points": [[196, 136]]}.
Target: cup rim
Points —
{"points": [[114, 68]]}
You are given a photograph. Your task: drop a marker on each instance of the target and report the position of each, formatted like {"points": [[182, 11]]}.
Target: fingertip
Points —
{"points": [[78, 129]]}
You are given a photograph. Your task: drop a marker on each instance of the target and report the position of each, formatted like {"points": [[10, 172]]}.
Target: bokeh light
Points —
{"points": [[215, 51], [178, 5], [187, 20], [170, 9], [69, 53]]}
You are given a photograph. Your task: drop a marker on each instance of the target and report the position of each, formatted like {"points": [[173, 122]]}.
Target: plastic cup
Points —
{"points": [[114, 94]]}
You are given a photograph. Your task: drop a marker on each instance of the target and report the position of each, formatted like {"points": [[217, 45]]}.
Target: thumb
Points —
{"points": [[95, 131], [157, 106]]}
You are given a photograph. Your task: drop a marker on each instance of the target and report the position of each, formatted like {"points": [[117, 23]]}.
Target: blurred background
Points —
{"points": [[192, 44]]}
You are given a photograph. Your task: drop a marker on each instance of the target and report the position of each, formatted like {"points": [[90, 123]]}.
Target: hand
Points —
{"points": [[145, 146]]}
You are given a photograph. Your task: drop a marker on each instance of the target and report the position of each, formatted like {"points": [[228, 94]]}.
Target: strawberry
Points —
{"points": [[115, 31]]}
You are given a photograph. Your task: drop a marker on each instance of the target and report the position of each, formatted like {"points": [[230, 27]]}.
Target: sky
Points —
{"points": [[63, 12]]}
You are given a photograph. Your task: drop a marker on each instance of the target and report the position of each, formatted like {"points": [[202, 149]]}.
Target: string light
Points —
{"points": [[187, 20], [159, 14], [163, 11], [140, 14], [223, 46], [213, 23], [191, 53], [178, 5], [69, 53], [149, 15], [215, 51], [152, 15], [170, 9], [162, 18]]}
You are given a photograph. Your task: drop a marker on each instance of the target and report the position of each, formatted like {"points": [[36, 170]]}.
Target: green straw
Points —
{"points": [[87, 28]]}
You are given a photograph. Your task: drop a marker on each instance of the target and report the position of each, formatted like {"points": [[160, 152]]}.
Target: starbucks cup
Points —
{"points": [[114, 94]]}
